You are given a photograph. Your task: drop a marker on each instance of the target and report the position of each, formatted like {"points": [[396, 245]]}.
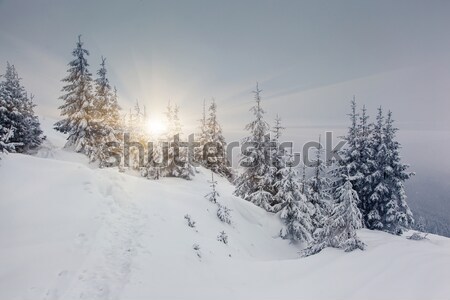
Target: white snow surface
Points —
{"points": [[71, 231]]}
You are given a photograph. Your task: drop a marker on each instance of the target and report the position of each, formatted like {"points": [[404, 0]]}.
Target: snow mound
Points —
{"points": [[70, 231]]}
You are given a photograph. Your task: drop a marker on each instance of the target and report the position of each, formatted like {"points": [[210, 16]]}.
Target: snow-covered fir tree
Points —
{"points": [[318, 189], [339, 230], [388, 208], [364, 163], [78, 110], [178, 164], [201, 137], [303, 182], [357, 158], [107, 117], [255, 182], [19, 126], [216, 158], [354, 154], [34, 136], [294, 210], [372, 219], [134, 127], [278, 157]]}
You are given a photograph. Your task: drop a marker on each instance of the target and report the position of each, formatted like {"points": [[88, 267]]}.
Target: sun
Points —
{"points": [[156, 126]]}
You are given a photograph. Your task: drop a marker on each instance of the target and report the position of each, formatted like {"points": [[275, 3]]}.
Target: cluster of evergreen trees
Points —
{"points": [[373, 162], [90, 109], [93, 121], [363, 189], [19, 126]]}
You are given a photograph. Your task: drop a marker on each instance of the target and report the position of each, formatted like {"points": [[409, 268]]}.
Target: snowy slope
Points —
{"points": [[70, 231]]}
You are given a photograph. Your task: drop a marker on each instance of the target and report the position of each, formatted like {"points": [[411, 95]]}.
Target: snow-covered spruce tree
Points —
{"points": [[34, 136], [178, 164], [255, 182], [278, 157], [349, 162], [318, 190], [340, 228], [365, 164], [372, 219], [134, 127], [78, 110], [389, 210], [304, 182], [215, 158], [357, 158], [107, 116], [294, 210], [19, 126], [201, 137]]}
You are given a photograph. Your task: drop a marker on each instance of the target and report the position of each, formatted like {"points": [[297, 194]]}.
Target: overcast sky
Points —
{"points": [[310, 58]]}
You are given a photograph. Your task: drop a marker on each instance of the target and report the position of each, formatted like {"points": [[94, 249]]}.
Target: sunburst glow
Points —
{"points": [[156, 126]]}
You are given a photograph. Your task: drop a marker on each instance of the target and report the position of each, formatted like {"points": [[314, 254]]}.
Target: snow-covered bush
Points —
{"points": [[417, 236]]}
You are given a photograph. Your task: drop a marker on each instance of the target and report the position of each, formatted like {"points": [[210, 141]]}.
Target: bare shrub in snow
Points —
{"points": [[191, 223], [417, 236]]}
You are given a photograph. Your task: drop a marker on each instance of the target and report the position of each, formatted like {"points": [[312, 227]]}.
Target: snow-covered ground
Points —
{"points": [[70, 231]]}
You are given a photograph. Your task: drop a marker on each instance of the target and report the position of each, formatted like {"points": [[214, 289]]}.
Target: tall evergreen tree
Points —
{"points": [[134, 124], [107, 116], [389, 210], [255, 183], [201, 137], [34, 136], [278, 157], [77, 110], [373, 219], [216, 159], [348, 165], [365, 163], [319, 189], [178, 164], [358, 159]]}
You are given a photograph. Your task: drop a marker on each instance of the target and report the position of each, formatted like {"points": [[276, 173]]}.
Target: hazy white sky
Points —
{"points": [[310, 57]]}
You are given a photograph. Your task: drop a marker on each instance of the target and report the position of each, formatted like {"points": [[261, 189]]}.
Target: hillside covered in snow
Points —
{"points": [[72, 231]]}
